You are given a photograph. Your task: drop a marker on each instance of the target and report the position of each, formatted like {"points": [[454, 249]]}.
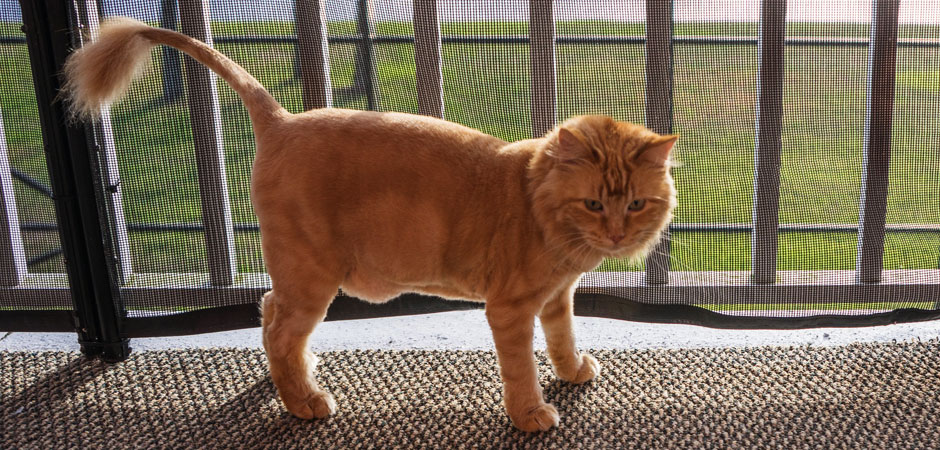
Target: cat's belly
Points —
{"points": [[375, 289]]}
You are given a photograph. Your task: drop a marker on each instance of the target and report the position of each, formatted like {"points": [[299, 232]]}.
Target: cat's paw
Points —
{"points": [[317, 405], [539, 418], [587, 370]]}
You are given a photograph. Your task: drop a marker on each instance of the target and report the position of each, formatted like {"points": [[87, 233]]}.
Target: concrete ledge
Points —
{"points": [[468, 330]]}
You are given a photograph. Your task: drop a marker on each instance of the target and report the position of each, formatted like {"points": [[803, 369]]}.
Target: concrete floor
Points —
{"points": [[468, 330]]}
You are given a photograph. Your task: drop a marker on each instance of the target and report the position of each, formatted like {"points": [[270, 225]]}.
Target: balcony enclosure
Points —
{"points": [[808, 168]]}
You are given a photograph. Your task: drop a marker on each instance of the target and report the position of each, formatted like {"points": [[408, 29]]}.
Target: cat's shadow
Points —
{"points": [[561, 392], [263, 418]]}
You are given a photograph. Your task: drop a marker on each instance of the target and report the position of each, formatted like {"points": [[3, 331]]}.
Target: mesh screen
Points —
{"points": [[31, 254], [600, 66]]}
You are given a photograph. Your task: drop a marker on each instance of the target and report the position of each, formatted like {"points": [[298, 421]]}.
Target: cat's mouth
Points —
{"points": [[626, 249], [606, 249], [629, 247]]}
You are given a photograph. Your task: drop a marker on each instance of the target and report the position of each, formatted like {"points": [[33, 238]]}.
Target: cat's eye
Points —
{"points": [[593, 205], [637, 204]]}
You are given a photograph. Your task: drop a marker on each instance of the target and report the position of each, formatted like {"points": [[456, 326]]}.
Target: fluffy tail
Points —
{"points": [[100, 72]]}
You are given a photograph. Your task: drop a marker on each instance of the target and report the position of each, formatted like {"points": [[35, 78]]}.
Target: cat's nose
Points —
{"points": [[615, 238]]}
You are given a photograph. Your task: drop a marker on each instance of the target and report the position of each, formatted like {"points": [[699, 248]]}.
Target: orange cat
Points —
{"points": [[384, 203]]}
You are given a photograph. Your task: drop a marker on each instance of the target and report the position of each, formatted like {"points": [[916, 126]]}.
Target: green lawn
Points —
{"points": [[487, 87]]}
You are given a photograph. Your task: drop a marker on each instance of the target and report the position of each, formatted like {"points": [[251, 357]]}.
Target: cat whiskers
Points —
{"points": [[577, 255], [581, 253], [565, 240]]}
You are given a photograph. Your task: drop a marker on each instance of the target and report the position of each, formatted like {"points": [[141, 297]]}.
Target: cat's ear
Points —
{"points": [[572, 146], [657, 151]]}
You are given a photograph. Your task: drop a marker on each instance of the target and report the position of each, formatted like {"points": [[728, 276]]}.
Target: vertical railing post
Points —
{"points": [[206, 120], [542, 60], [877, 145], [365, 66], [768, 141], [74, 172], [659, 70], [104, 139], [428, 69], [172, 71], [314, 58], [12, 256]]}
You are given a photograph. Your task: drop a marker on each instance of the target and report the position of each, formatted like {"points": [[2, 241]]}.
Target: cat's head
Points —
{"points": [[602, 188]]}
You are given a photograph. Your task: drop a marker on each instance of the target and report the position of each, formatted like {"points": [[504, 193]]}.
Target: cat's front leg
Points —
{"points": [[512, 328], [556, 317]]}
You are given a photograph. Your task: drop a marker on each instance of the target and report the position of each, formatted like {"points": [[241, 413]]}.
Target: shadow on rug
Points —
{"points": [[862, 396]]}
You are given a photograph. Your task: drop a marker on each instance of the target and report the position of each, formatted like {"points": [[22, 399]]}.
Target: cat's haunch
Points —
{"points": [[385, 203]]}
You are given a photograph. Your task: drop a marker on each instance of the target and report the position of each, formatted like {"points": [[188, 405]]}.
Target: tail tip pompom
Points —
{"points": [[101, 71]]}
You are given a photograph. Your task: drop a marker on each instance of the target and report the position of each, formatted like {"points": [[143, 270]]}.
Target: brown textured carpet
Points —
{"points": [[861, 396]]}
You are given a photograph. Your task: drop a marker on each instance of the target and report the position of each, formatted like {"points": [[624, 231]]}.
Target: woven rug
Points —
{"points": [[860, 396]]}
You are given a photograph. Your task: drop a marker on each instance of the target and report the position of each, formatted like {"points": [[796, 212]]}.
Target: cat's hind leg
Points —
{"points": [[556, 318], [288, 319]]}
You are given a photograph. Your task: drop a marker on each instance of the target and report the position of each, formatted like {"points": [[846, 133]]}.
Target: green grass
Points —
{"points": [[487, 87]]}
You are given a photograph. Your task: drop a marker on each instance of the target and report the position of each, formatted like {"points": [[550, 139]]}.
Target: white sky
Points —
{"points": [[912, 11]]}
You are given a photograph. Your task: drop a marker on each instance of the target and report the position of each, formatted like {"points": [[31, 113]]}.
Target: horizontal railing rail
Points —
{"points": [[31, 182], [689, 300]]}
